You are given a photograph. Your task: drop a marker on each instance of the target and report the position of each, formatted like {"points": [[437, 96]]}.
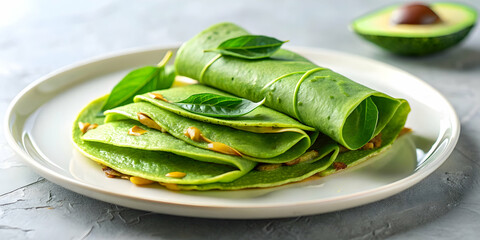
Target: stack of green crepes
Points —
{"points": [[309, 113]]}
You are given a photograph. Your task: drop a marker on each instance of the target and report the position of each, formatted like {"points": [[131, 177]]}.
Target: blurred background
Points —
{"points": [[39, 36]]}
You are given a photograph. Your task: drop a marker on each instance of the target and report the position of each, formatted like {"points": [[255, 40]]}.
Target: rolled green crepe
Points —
{"points": [[346, 111]]}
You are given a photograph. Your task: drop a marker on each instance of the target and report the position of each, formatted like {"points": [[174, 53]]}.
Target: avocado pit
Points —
{"points": [[415, 13]]}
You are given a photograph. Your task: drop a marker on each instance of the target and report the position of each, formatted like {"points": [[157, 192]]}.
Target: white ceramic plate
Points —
{"points": [[40, 118]]}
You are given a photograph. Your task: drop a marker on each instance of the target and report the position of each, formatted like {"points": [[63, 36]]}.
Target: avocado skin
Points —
{"points": [[412, 46]]}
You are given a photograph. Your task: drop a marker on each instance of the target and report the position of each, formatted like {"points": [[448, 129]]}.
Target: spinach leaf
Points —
{"points": [[139, 81], [249, 47], [213, 105]]}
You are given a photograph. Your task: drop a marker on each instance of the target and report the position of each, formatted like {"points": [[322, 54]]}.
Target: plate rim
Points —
{"points": [[368, 196]]}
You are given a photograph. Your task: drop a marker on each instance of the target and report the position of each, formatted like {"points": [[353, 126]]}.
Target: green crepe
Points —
{"points": [[258, 147], [346, 111], [331, 108], [154, 154], [260, 117], [110, 145]]}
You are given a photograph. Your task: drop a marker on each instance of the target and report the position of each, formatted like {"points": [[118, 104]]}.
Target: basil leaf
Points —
{"points": [[139, 81], [360, 125], [213, 105], [249, 47]]}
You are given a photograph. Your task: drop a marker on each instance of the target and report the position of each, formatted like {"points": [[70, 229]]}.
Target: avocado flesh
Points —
{"points": [[410, 39]]}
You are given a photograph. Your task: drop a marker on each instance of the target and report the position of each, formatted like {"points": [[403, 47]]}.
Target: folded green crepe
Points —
{"points": [[155, 154], [346, 111], [152, 155], [280, 147]]}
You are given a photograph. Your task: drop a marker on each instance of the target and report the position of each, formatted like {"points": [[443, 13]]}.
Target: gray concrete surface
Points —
{"points": [[37, 37]]}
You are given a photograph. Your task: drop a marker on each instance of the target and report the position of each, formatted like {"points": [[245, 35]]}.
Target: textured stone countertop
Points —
{"points": [[38, 37]]}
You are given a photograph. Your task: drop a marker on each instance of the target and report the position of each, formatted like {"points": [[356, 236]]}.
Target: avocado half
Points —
{"points": [[411, 39]]}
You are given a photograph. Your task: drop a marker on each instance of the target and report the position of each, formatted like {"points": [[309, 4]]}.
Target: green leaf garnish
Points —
{"points": [[249, 47], [213, 105], [139, 81], [361, 123]]}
